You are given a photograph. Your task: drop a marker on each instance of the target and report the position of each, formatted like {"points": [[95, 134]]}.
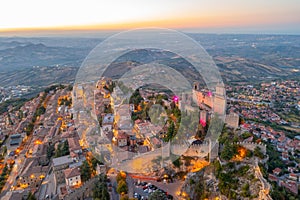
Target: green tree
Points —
{"points": [[29, 128], [95, 162], [120, 176], [246, 135], [257, 152], [245, 190], [177, 163], [85, 171], [30, 196], [40, 111], [122, 187], [171, 132], [229, 151], [136, 98], [157, 195], [62, 149], [125, 197], [50, 151], [100, 190]]}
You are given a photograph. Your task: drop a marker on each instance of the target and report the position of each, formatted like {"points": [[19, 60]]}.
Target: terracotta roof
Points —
{"points": [[272, 177], [291, 186], [74, 144], [281, 138], [293, 175], [71, 172], [122, 135], [138, 121], [73, 155], [277, 170], [155, 141]]}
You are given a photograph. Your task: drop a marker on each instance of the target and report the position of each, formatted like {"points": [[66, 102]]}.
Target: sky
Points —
{"points": [[219, 16]]}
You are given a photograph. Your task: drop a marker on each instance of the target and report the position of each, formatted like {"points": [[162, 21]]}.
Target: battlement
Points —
{"points": [[252, 145], [194, 150]]}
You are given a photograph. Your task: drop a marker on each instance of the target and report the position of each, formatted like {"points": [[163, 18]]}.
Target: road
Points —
{"points": [[19, 162], [48, 187]]}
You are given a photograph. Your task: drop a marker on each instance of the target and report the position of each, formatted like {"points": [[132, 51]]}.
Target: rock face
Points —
{"points": [[194, 185], [205, 184]]}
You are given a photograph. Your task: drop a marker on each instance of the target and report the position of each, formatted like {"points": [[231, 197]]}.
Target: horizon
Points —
{"points": [[52, 18], [107, 33]]}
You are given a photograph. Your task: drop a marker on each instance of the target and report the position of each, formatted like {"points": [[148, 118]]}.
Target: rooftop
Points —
{"points": [[62, 160], [72, 172]]}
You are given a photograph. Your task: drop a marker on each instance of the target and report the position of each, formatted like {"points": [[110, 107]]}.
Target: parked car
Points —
{"points": [[136, 195]]}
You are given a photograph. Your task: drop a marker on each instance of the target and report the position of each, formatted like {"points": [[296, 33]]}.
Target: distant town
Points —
{"points": [[11, 92]]}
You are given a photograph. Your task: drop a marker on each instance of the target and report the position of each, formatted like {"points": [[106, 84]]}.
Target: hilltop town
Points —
{"points": [[71, 143]]}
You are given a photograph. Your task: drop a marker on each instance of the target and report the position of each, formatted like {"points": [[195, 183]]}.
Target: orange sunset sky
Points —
{"points": [[282, 16]]}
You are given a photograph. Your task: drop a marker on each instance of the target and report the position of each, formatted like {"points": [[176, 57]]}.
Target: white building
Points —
{"points": [[72, 177]]}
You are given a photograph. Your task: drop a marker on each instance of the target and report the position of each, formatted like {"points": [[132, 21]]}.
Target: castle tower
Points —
{"points": [[220, 100], [196, 86], [232, 120]]}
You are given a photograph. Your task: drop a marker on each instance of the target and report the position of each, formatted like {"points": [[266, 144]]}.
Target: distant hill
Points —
{"points": [[240, 58], [251, 58], [29, 55], [13, 44]]}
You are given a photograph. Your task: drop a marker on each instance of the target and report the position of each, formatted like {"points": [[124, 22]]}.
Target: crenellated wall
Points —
{"points": [[252, 145], [201, 150], [194, 150]]}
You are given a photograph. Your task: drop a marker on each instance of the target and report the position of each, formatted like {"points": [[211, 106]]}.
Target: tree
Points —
{"points": [[176, 112], [40, 111], [258, 153], [246, 135], [85, 171], [100, 189], [31, 196], [122, 187], [274, 159], [121, 176], [170, 132], [249, 154], [95, 162], [4, 150], [160, 97], [201, 192], [29, 128], [50, 151], [62, 149], [125, 197], [70, 87], [136, 98], [177, 163], [157, 195], [245, 190], [229, 151]]}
